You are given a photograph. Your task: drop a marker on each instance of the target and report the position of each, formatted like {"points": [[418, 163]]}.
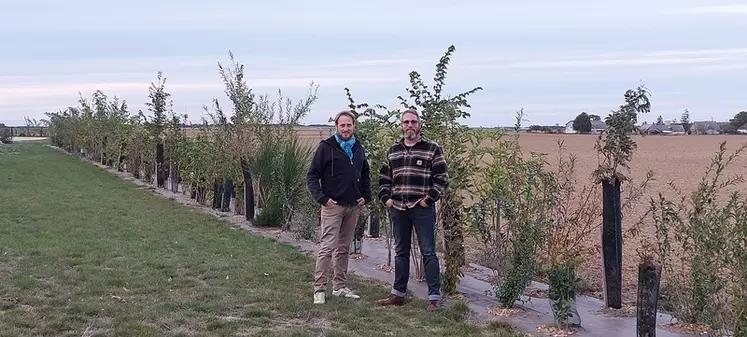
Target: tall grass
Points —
{"points": [[279, 168]]}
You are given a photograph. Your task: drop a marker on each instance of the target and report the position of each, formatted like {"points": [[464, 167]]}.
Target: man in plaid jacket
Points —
{"points": [[411, 181]]}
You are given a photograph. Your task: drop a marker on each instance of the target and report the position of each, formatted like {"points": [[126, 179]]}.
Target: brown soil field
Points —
{"points": [[679, 159]]}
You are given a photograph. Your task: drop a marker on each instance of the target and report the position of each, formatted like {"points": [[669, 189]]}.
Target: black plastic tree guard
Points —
{"points": [[228, 193], [248, 190], [649, 277], [160, 176], [612, 244], [174, 177], [374, 226], [217, 193]]}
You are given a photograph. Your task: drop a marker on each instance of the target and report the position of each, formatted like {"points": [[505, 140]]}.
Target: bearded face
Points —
{"points": [[345, 127], [410, 126]]}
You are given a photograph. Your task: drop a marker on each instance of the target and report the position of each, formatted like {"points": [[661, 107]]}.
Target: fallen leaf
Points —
{"points": [[503, 312]]}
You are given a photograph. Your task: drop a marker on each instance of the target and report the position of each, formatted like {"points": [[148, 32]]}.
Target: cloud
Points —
{"points": [[659, 58], [25, 93], [734, 9], [324, 17], [559, 84]]}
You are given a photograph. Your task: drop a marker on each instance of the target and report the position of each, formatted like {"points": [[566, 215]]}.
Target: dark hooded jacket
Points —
{"points": [[333, 175]]}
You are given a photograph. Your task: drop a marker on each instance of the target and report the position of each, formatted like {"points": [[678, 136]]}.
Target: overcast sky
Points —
{"points": [[553, 58]]}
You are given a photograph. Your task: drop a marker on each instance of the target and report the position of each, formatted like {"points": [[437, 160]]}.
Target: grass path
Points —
{"points": [[83, 253]]}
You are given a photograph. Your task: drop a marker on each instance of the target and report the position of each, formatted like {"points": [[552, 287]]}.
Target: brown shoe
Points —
{"points": [[392, 300], [433, 305]]}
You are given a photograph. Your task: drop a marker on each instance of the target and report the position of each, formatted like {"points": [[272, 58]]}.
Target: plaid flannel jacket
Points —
{"points": [[409, 176]]}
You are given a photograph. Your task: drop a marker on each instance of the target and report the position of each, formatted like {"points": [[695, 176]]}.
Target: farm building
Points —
{"points": [[597, 127], [705, 128], [742, 129], [662, 129], [569, 127]]}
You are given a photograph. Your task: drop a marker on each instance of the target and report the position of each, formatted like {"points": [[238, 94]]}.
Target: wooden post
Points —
{"points": [[649, 277], [612, 244]]}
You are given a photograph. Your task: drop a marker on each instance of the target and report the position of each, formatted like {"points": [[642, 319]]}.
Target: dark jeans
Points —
{"points": [[424, 222]]}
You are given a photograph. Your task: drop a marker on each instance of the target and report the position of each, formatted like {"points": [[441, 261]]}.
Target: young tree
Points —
{"points": [[440, 119], [615, 148], [685, 120], [738, 120]]}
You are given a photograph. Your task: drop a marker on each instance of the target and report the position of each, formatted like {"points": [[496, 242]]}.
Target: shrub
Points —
{"points": [[519, 191], [700, 242], [4, 134]]}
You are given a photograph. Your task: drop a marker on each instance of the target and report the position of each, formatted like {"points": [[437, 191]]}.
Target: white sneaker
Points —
{"points": [[319, 297], [345, 292]]}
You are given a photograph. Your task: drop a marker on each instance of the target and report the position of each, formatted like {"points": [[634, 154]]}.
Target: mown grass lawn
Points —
{"points": [[84, 253]]}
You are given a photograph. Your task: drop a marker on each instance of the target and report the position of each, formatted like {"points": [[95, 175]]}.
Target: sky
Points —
{"points": [[554, 59]]}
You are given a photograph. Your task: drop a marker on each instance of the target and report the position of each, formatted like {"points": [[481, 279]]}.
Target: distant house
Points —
{"points": [[597, 127], [569, 127], [662, 129], [705, 128], [742, 129]]}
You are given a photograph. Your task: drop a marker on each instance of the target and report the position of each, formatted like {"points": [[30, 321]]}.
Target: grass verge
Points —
{"points": [[84, 253]]}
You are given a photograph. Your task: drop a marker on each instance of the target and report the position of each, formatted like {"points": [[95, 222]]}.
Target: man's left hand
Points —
{"points": [[423, 203], [361, 202]]}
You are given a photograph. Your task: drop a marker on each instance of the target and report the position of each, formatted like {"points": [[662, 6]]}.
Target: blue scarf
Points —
{"points": [[346, 145]]}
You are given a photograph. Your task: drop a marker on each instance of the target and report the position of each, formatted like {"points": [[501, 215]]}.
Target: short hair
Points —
{"points": [[345, 113], [409, 111]]}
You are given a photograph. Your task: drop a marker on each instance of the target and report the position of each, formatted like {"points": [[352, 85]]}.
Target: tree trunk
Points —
{"points": [[417, 259], [649, 276], [389, 237], [612, 244], [360, 229], [200, 195]]}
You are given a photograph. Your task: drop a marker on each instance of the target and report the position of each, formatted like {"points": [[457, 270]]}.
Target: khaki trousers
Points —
{"points": [[338, 225]]}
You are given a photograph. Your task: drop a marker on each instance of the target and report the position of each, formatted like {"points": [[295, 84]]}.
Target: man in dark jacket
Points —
{"points": [[339, 179]]}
